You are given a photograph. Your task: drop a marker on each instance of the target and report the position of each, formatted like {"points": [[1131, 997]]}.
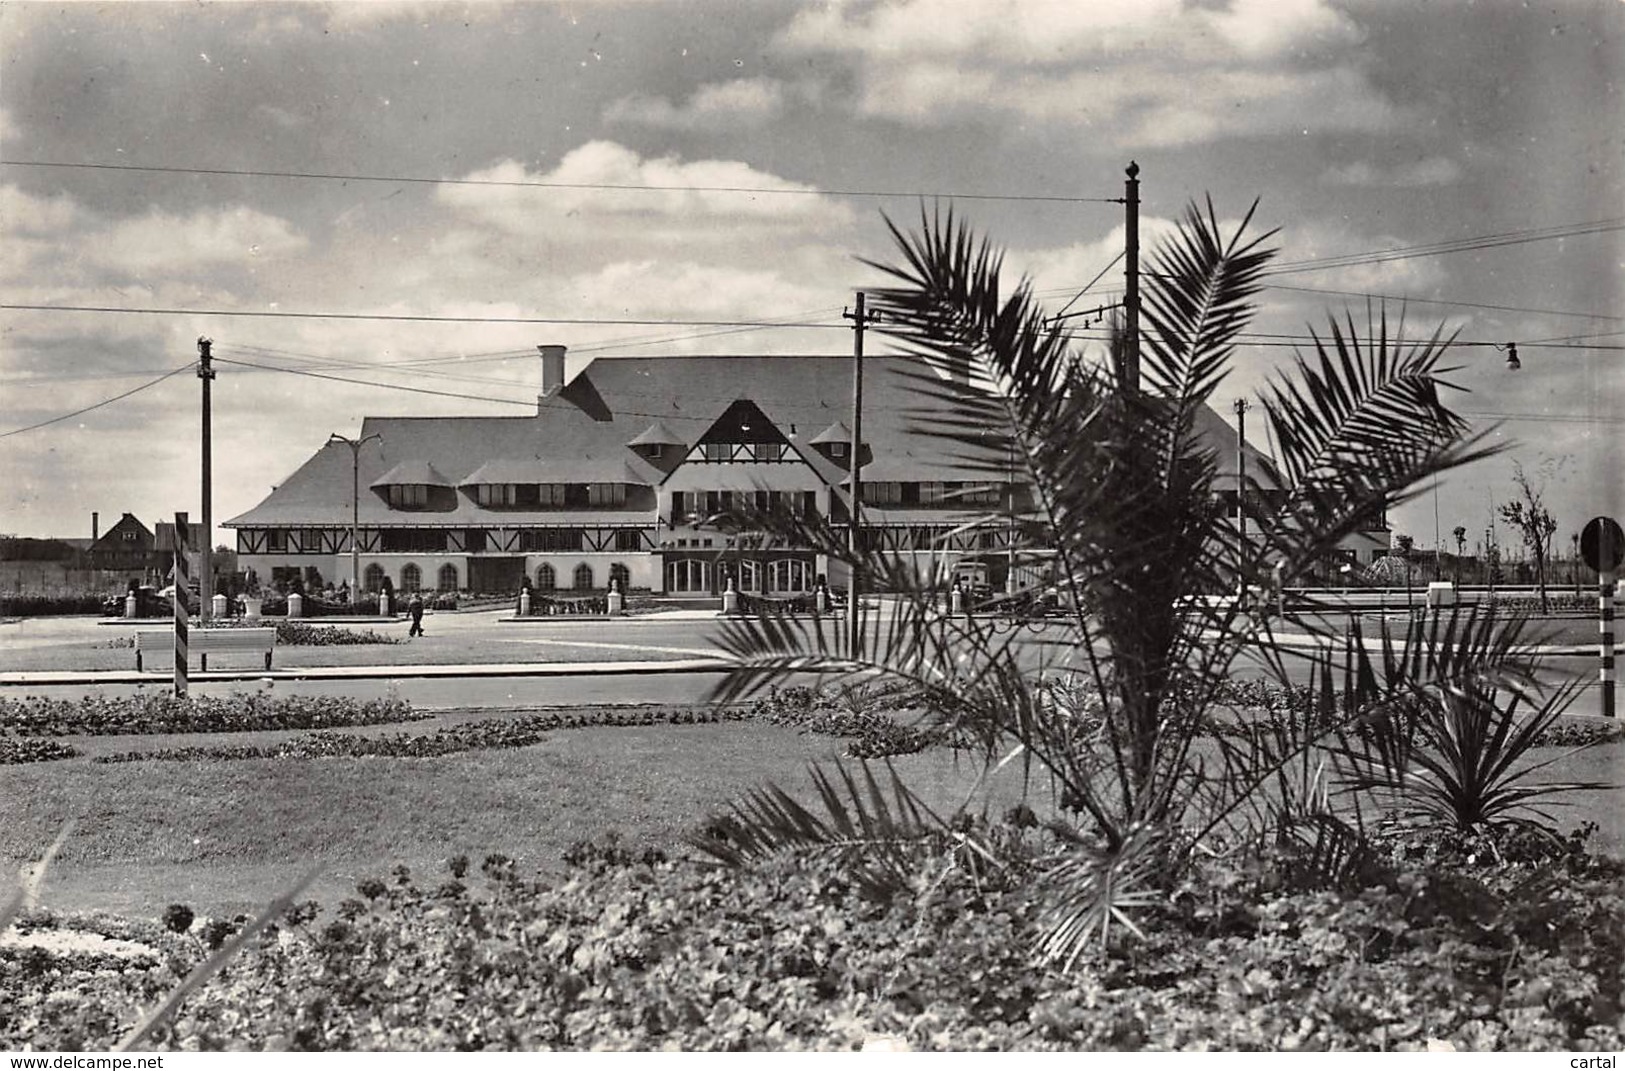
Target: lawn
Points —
{"points": [[224, 836]]}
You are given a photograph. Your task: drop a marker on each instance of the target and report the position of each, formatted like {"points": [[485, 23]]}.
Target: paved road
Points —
{"points": [[634, 660]]}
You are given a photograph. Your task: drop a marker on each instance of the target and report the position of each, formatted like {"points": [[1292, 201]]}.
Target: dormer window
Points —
{"points": [[408, 495]]}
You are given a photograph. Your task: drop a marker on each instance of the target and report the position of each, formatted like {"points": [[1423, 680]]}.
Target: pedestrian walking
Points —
{"points": [[415, 608]]}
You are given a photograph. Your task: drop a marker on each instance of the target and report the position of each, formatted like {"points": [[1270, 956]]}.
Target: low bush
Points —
{"points": [[551, 606], [635, 951], [512, 732], [869, 717], [15, 750], [299, 634], [21, 605], [163, 712]]}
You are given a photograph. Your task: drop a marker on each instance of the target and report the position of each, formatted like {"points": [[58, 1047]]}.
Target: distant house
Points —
{"points": [[128, 546]]}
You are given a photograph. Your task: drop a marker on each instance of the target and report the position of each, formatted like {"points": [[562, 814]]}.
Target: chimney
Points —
{"points": [[552, 373], [95, 526]]}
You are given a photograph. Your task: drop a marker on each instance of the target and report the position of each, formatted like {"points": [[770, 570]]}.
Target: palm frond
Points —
{"points": [[1088, 891], [876, 830]]}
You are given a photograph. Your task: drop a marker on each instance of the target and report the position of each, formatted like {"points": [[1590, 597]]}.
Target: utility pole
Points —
{"points": [[1241, 497], [355, 507], [206, 551], [854, 545], [1129, 373]]}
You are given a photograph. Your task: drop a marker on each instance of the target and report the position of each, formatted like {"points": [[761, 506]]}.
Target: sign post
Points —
{"points": [[1602, 545], [182, 583]]}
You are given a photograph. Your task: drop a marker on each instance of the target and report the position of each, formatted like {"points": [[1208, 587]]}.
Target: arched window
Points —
{"points": [[411, 578], [620, 576], [448, 578], [373, 577], [546, 578], [583, 577]]}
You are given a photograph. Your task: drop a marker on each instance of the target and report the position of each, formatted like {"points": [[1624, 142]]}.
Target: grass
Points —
{"points": [[223, 836]]}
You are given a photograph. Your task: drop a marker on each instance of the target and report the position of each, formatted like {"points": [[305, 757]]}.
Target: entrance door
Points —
{"points": [[495, 576]]}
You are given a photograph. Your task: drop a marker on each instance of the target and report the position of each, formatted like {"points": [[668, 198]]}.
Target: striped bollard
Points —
{"points": [[1605, 625], [182, 582]]}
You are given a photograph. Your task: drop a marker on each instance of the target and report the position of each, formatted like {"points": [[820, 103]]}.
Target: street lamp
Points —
{"points": [[355, 505]]}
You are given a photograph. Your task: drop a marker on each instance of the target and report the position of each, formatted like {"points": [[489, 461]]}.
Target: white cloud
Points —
{"points": [[160, 241], [1431, 171], [742, 103], [1159, 73], [605, 186], [24, 214]]}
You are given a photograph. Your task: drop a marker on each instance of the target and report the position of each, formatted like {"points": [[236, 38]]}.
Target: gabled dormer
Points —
{"points": [[834, 444], [658, 445], [742, 433]]}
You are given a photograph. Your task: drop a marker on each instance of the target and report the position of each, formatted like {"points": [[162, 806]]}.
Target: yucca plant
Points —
{"points": [[1124, 506]]}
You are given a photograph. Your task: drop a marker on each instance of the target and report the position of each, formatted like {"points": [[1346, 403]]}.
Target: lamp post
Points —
{"points": [[355, 506]]}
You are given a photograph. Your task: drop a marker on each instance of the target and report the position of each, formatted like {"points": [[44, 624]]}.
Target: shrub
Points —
{"points": [[30, 605], [163, 712]]}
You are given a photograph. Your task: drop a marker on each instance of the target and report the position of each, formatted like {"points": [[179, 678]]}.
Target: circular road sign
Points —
{"points": [[1602, 544]]}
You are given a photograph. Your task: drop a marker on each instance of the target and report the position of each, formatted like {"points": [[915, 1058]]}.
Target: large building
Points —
{"points": [[614, 475]]}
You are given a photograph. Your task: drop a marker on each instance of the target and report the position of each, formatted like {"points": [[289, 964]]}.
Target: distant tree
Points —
{"points": [[1534, 522], [1404, 544]]}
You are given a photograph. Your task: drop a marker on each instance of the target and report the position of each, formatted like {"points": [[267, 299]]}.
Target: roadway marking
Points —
{"points": [[707, 652]]}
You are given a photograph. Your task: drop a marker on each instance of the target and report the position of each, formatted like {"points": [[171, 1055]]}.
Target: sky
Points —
{"points": [[384, 208]]}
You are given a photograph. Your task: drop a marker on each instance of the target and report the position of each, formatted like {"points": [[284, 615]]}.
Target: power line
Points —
{"points": [[109, 401], [368, 383], [404, 318], [1441, 301], [531, 183], [1464, 245]]}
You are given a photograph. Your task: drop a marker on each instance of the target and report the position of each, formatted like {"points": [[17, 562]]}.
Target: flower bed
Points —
{"points": [[14, 750], [645, 953], [167, 713]]}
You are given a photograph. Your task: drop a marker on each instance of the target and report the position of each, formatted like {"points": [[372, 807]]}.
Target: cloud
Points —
{"points": [[160, 241], [1431, 171], [607, 184], [745, 103], [24, 214], [1160, 73]]}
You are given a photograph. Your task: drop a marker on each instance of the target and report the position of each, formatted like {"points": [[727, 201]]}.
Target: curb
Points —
{"points": [[360, 673]]}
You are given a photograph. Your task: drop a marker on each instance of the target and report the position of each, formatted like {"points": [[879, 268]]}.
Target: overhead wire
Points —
{"points": [[105, 402], [541, 184]]}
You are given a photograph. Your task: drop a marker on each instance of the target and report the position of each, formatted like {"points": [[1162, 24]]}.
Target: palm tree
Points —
{"points": [[1124, 499]]}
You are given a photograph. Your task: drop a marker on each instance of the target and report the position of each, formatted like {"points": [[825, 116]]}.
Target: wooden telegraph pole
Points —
{"points": [[854, 543]]}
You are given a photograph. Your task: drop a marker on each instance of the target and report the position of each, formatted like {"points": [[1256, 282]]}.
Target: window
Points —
{"points": [[789, 574], [373, 578], [606, 494], [447, 580], [545, 540], [688, 574], [719, 451], [750, 576], [628, 539], [550, 494], [475, 540], [582, 578], [837, 449], [882, 492], [310, 540], [412, 540], [768, 451], [408, 495], [496, 494], [128, 536], [276, 540], [655, 450], [931, 492], [546, 578], [981, 494], [411, 578], [620, 576]]}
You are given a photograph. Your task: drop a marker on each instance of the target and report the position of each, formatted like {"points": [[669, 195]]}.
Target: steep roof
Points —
{"points": [[584, 431]]}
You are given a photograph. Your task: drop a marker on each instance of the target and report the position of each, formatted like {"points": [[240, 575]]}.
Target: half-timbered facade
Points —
{"points": [[615, 474]]}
